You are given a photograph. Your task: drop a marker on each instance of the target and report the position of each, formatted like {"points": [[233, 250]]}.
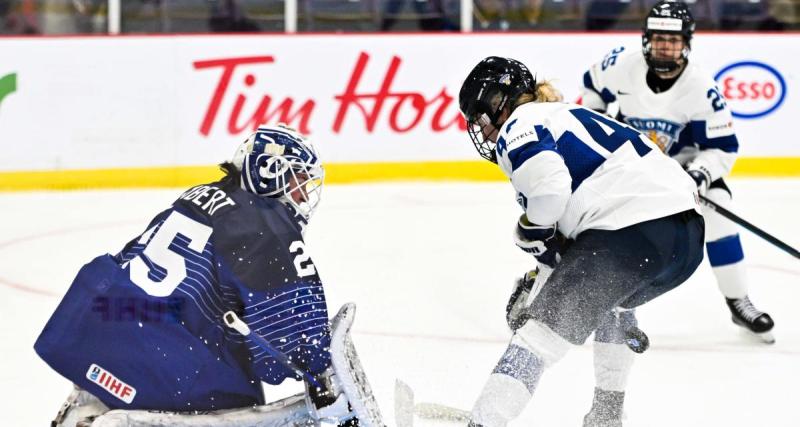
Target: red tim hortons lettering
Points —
{"points": [[413, 104], [283, 111]]}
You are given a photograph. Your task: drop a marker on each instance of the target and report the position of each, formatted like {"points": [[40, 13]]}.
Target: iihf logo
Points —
{"points": [[110, 383]]}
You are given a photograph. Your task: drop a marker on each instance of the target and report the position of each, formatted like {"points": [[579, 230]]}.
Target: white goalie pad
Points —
{"points": [[289, 412], [349, 372]]}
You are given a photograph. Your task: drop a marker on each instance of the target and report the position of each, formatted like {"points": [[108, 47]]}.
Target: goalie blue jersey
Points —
{"points": [[143, 329]]}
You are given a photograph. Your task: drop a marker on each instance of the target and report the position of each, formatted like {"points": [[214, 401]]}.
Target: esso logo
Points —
{"points": [[752, 89]]}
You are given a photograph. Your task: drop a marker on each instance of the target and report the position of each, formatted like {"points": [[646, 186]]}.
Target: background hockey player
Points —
{"points": [[678, 105], [630, 214], [144, 329]]}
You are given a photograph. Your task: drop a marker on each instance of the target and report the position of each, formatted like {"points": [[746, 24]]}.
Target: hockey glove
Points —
{"points": [[515, 309], [328, 402], [701, 177], [542, 241]]}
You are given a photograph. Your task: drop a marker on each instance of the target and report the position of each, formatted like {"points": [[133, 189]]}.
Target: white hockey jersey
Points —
{"points": [[690, 121], [583, 170]]}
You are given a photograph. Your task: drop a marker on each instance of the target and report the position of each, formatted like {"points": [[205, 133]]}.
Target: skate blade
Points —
{"points": [[763, 337], [767, 337]]}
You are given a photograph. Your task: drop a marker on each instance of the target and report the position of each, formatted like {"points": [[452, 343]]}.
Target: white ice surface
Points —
{"points": [[430, 267]]}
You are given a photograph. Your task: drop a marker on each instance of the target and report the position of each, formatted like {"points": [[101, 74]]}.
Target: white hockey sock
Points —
{"points": [[503, 398], [509, 388], [612, 364], [732, 279]]}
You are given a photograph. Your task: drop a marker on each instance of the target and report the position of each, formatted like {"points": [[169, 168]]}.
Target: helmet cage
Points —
{"points": [[279, 163], [491, 87], [482, 116], [668, 17]]}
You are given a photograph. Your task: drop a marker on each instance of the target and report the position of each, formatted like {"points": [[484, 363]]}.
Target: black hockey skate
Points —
{"points": [[744, 314]]}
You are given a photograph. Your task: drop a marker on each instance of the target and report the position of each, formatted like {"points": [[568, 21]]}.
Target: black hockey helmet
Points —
{"points": [[491, 86], [667, 17]]}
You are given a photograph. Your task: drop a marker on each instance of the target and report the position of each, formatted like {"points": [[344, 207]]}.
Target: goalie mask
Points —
{"points": [[278, 162], [672, 18], [494, 84]]}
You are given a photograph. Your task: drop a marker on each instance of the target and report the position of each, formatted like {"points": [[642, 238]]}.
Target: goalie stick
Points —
{"points": [[405, 408], [750, 227], [344, 360], [233, 321]]}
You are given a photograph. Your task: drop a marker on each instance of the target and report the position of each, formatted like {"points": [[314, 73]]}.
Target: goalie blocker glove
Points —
{"points": [[329, 403], [541, 241]]}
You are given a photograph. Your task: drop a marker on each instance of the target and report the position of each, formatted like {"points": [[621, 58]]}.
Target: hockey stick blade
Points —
{"points": [[403, 404], [405, 408], [750, 227]]}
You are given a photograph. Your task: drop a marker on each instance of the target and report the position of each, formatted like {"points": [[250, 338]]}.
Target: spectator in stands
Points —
{"points": [[430, 14], [602, 15], [227, 16], [18, 17]]}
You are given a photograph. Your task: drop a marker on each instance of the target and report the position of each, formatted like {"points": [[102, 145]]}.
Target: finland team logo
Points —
{"points": [[663, 133], [752, 89]]}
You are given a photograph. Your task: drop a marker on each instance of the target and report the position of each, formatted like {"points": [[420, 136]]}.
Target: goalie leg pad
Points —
{"points": [[289, 412], [79, 406], [349, 372]]}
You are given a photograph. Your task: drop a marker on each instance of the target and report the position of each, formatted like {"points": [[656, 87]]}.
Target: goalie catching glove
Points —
{"points": [[541, 241]]}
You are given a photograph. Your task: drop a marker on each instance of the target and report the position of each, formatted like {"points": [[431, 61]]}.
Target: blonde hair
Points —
{"points": [[544, 92]]}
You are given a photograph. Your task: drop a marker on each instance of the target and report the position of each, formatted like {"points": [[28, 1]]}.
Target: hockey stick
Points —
{"points": [[354, 382], [233, 321], [750, 227], [405, 408]]}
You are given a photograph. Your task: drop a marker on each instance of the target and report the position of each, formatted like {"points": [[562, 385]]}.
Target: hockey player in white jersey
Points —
{"points": [[613, 221], [678, 105]]}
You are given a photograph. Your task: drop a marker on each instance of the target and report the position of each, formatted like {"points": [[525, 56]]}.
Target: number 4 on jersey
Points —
{"points": [[619, 135]]}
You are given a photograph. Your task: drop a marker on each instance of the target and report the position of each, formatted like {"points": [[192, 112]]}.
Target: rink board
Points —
{"points": [[162, 110]]}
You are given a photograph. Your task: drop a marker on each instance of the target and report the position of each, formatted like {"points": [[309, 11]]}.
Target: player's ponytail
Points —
{"points": [[230, 171], [545, 92]]}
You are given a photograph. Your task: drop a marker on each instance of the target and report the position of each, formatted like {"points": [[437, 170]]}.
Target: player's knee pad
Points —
{"points": [[542, 341]]}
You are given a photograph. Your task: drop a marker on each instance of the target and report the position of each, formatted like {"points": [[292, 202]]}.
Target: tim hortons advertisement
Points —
{"points": [[74, 103]]}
